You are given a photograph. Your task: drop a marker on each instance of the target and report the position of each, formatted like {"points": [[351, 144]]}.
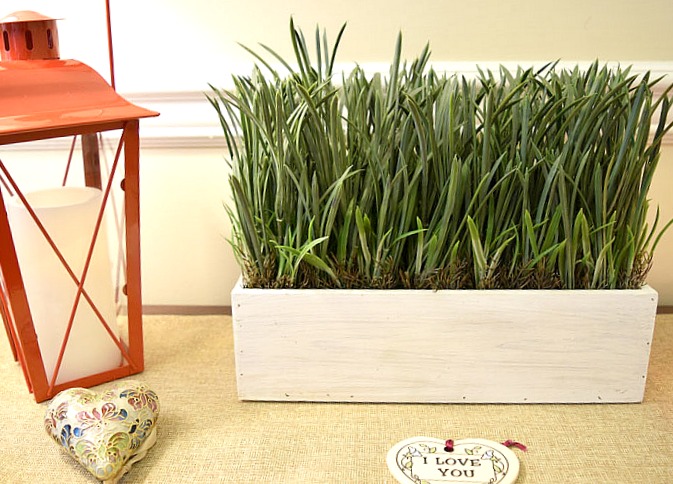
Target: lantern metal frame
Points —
{"points": [[44, 99]]}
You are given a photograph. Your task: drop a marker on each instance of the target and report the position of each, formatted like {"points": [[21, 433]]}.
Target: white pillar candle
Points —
{"points": [[69, 215]]}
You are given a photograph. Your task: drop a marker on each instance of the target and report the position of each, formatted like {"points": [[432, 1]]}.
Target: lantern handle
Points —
{"points": [[109, 44]]}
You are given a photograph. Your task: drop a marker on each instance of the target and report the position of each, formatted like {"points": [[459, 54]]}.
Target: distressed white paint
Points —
{"points": [[446, 346]]}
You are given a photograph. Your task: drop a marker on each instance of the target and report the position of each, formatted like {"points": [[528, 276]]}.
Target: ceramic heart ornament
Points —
{"points": [[424, 460], [105, 432]]}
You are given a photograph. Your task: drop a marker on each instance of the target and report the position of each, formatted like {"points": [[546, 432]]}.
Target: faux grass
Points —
{"points": [[416, 179]]}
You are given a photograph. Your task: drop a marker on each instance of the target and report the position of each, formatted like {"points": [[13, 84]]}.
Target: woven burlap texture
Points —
{"points": [[206, 435]]}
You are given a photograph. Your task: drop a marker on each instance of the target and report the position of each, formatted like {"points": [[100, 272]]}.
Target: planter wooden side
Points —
{"points": [[517, 346]]}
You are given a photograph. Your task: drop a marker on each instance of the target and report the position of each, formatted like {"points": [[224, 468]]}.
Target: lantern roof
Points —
{"points": [[25, 16], [52, 98]]}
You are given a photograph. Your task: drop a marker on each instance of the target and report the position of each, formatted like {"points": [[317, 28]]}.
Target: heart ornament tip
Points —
{"points": [[426, 460], [105, 432]]}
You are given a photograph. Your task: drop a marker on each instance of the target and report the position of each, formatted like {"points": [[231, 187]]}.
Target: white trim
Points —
{"points": [[187, 120]]}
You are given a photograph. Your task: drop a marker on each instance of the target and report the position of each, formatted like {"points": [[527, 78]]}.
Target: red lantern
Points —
{"points": [[44, 97]]}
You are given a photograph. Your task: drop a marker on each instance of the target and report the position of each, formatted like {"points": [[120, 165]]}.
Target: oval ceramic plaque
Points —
{"points": [[424, 460], [105, 432]]}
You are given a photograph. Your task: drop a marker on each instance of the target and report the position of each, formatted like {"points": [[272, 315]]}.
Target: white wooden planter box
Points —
{"points": [[522, 346]]}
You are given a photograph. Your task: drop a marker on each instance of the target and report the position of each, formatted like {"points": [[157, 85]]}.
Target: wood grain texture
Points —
{"points": [[446, 346]]}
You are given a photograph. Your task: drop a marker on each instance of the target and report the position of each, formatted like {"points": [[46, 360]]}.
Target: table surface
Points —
{"points": [[205, 434]]}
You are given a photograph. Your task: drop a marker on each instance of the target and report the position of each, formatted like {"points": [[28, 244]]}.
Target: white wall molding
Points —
{"points": [[187, 120]]}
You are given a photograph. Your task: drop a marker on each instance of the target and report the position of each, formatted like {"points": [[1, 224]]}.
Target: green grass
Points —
{"points": [[526, 179]]}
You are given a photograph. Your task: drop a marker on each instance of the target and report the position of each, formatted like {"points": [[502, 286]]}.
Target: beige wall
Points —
{"points": [[661, 275], [175, 47], [179, 44]]}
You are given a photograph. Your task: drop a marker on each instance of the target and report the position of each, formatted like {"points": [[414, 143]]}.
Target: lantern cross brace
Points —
{"points": [[81, 292], [119, 224], [67, 166]]}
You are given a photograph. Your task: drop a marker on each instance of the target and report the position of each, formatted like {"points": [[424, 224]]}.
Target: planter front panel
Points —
{"points": [[444, 346]]}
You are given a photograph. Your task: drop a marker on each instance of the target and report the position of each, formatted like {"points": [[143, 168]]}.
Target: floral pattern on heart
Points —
{"points": [[106, 432]]}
